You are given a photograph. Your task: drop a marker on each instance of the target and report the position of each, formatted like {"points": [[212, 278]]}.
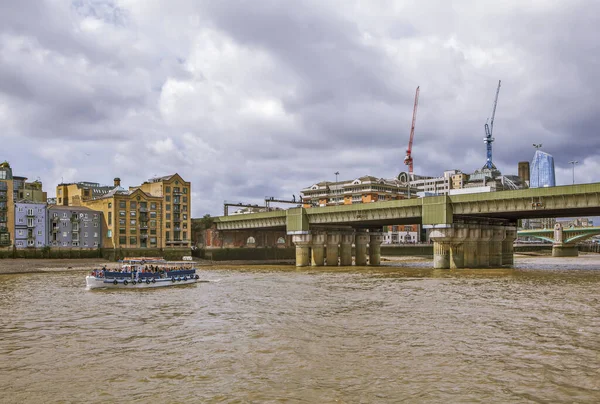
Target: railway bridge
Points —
{"points": [[469, 230]]}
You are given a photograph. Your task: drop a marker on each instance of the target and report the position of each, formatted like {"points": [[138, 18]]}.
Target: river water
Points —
{"points": [[372, 335]]}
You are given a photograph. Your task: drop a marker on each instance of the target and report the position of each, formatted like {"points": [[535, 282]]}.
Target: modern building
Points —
{"points": [[74, 226], [30, 225], [155, 214], [542, 170]]}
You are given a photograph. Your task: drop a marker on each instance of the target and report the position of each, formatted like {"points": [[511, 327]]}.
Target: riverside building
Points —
{"points": [[155, 214]]}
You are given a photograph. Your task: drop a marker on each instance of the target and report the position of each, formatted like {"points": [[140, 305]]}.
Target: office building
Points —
{"points": [[542, 170]]}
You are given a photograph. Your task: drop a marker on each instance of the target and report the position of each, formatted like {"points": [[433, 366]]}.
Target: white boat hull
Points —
{"points": [[93, 282]]}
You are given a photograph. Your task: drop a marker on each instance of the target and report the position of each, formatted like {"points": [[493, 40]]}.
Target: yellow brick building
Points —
{"points": [[7, 206], [155, 214]]}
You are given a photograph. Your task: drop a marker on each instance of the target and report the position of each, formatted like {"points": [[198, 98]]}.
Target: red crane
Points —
{"points": [[408, 160]]}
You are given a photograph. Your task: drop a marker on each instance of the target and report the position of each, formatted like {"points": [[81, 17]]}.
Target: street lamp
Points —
{"points": [[537, 146], [573, 162], [336, 184]]}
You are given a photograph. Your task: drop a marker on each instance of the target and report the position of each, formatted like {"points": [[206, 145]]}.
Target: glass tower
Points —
{"points": [[542, 170]]}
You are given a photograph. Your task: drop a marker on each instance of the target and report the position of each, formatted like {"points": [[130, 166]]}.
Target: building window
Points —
{"points": [[39, 232], [168, 216], [132, 222], [152, 231], [85, 224], [185, 199], [20, 209], [133, 230], [122, 222], [109, 233], [152, 223], [110, 218], [168, 225], [64, 224], [95, 216], [133, 205], [95, 244], [55, 215], [109, 205], [29, 211], [167, 189], [65, 215], [85, 234], [152, 240], [132, 213], [20, 232], [132, 240], [153, 205], [85, 216], [168, 207], [64, 243], [122, 213], [122, 240], [122, 204], [168, 198], [168, 235], [184, 217], [20, 220], [95, 224], [122, 230], [153, 215], [85, 244], [185, 208], [95, 235], [185, 235]]}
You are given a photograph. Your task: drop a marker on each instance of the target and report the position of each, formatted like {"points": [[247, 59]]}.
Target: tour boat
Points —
{"points": [[140, 273]]}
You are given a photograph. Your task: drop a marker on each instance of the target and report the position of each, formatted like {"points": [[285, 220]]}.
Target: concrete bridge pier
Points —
{"points": [[483, 246], [448, 247], [471, 244], [303, 243], [498, 235], [360, 241], [559, 247], [346, 249], [318, 249], [375, 240], [508, 249], [333, 239]]}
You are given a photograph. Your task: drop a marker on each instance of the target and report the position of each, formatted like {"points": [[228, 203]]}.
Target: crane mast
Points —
{"points": [[488, 139], [408, 160]]}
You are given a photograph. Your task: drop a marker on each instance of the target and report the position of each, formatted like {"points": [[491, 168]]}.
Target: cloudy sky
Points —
{"points": [[258, 98]]}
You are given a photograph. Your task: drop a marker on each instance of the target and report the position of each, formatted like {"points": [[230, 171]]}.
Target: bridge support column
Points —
{"points": [[471, 244], [441, 255], [318, 250], [559, 248], [565, 250], [346, 249], [483, 246], [333, 239], [375, 240], [508, 249], [498, 235], [302, 242], [448, 246], [361, 239]]}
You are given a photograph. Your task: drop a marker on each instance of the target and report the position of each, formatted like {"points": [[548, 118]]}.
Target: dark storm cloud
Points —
{"points": [[249, 99]]}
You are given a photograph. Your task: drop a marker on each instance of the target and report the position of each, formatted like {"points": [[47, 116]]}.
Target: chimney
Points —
{"points": [[117, 182]]}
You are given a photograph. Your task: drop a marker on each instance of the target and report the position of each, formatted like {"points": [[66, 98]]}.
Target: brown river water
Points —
{"points": [[403, 333]]}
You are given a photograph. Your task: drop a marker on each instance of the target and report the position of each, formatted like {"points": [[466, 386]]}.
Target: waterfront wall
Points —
{"points": [[173, 254], [246, 254]]}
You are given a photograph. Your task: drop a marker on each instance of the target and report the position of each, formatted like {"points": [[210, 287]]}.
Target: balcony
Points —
{"points": [[4, 243], [176, 220], [143, 236], [143, 210], [3, 208], [3, 198], [177, 192], [178, 241], [144, 225], [56, 230], [29, 214]]}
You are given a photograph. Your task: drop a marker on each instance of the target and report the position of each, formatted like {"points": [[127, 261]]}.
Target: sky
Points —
{"points": [[248, 99]]}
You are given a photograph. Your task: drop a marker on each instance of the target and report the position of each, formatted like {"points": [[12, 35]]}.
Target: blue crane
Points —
{"points": [[488, 139]]}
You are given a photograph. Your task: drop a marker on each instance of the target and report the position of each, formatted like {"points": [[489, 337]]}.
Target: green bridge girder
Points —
{"points": [[571, 235], [562, 201]]}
